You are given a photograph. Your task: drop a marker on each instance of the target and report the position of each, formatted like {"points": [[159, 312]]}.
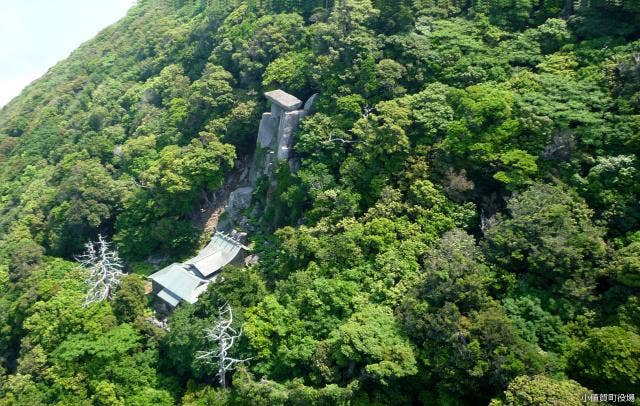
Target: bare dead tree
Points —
{"points": [[105, 270], [366, 110], [486, 222], [342, 140], [224, 336]]}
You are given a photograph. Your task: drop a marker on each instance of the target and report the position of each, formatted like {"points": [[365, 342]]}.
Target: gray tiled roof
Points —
{"points": [[218, 253], [178, 281], [169, 297]]}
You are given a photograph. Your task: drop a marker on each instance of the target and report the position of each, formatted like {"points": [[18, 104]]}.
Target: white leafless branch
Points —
{"points": [[342, 140], [105, 270], [366, 110], [486, 222], [224, 336], [140, 185]]}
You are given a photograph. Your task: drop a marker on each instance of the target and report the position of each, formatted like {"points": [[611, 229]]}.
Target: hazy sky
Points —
{"points": [[35, 34]]}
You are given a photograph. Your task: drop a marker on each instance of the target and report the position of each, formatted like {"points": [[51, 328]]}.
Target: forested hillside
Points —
{"points": [[464, 227]]}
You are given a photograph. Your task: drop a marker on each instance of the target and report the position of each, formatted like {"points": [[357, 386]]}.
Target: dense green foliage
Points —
{"points": [[464, 227]]}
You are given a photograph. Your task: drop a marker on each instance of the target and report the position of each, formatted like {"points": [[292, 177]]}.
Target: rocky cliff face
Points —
{"points": [[275, 136], [274, 144]]}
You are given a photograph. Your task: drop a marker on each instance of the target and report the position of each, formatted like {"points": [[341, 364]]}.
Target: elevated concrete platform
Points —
{"points": [[284, 100]]}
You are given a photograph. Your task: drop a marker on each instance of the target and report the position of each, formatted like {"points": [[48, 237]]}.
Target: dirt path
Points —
{"points": [[211, 205]]}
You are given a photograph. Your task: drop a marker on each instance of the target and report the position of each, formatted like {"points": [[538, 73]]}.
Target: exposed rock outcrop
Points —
{"points": [[274, 144], [275, 136]]}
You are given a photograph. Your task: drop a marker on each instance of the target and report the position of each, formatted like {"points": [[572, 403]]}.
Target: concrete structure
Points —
{"points": [[283, 100], [176, 283], [219, 252], [276, 132], [187, 281]]}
